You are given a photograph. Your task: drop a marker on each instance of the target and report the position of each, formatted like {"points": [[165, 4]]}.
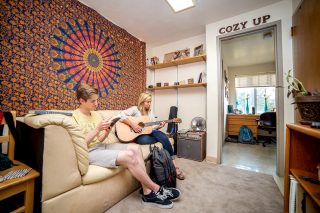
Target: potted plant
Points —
{"points": [[308, 103]]}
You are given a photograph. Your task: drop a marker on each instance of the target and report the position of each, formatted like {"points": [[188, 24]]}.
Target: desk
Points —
{"points": [[24, 184], [235, 121]]}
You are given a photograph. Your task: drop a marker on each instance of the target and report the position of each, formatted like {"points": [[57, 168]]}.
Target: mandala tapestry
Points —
{"points": [[49, 47], [85, 54]]}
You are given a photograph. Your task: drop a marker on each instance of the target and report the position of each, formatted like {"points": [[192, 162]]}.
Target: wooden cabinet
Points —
{"points": [[234, 122], [177, 63], [302, 157], [306, 45]]}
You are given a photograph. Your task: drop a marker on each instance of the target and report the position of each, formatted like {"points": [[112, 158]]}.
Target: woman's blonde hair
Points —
{"points": [[145, 96]]}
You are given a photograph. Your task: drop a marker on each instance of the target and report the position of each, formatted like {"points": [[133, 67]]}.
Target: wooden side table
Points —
{"points": [[24, 184]]}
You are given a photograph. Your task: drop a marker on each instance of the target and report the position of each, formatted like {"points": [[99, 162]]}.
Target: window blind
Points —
{"points": [[261, 80]]}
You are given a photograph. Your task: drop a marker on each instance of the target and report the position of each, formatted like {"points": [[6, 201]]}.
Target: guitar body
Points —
{"points": [[126, 134]]}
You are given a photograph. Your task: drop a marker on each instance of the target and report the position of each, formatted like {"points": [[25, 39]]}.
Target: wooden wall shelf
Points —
{"points": [[179, 86], [178, 62]]}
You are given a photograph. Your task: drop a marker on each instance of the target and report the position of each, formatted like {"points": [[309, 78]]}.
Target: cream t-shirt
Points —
{"points": [[88, 123]]}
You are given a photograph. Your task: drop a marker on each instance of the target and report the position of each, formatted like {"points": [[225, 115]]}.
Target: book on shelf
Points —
{"points": [[292, 194], [299, 200]]}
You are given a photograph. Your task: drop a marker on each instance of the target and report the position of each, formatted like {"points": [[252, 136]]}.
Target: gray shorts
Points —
{"points": [[105, 155]]}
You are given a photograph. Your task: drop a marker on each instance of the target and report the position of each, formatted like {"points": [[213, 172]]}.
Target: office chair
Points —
{"points": [[268, 122]]}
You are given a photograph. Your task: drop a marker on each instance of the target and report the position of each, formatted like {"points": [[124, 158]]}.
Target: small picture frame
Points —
{"points": [[198, 50], [154, 60]]}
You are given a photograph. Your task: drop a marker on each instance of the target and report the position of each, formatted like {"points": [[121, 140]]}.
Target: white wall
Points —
{"points": [[280, 11], [191, 102]]}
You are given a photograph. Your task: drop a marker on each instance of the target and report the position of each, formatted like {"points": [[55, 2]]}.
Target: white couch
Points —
{"points": [[68, 183]]}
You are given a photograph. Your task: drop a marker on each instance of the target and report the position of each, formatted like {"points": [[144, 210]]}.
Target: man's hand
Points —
{"points": [[104, 125]]}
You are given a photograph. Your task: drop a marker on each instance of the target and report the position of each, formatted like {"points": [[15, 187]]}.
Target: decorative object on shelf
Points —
{"points": [[147, 62], [179, 54], [202, 77], [253, 110], [190, 81], [182, 82], [308, 103], [150, 86], [158, 84], [265, 102], [230, 108], [176, 83], [168, 57], [154, 60], [247, 104], [198, 50], [166, 84]]}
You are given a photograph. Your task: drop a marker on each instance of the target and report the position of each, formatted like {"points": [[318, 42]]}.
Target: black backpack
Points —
{"points": [[162, 170]]}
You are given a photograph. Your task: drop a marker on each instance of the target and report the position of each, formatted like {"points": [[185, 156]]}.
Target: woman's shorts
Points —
{"points": [[105, 155]]}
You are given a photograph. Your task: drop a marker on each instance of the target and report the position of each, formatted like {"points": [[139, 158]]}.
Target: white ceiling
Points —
{"points": [[257, 48], [154, 22]]}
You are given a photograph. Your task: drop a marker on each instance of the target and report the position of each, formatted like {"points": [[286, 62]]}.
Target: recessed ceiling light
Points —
{"points": [[179, 5]]}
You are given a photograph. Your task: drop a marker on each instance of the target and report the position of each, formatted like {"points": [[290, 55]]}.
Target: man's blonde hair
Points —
{"points": [[145, 96], [86, 91]]}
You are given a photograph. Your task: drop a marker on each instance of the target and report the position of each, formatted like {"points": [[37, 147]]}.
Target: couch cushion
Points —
{"points": [[97, 173]]}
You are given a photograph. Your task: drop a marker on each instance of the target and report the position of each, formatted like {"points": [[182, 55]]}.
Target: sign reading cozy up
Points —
{"points": [[243, 25]]}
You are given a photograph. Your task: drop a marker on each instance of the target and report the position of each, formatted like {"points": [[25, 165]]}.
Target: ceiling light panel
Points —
{"points": [[179, 5]]}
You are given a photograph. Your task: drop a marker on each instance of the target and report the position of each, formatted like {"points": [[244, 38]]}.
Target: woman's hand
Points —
{"points": [[136, 128], [161, 124]]}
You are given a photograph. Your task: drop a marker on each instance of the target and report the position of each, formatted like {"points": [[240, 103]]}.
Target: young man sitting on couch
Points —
{"points": [[96, 130]]}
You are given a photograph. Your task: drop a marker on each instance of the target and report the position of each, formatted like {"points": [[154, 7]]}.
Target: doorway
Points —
{"points": [[251, 73]]}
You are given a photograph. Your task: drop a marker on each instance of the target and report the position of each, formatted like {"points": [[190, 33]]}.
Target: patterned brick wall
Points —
{"points": [[49, 47]]}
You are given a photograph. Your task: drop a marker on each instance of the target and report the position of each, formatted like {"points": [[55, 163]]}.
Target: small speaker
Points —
{"points": [[192, 145]]}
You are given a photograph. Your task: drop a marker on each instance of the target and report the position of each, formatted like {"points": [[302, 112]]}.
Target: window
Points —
{"points": [[257, 89]]}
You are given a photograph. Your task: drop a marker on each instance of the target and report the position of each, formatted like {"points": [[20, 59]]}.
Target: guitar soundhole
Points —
{"points": [[141, 124]]}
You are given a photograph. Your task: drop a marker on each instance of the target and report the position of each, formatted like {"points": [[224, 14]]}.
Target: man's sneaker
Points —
{"points": [[157, 199], [170, 193]]}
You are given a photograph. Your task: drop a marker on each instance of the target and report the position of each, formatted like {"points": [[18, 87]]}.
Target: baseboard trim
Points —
{"points": [[210, 159]]}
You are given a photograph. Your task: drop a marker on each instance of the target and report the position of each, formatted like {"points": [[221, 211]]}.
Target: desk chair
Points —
{"points": [[268, 122], [25, 184], [9, 138]]}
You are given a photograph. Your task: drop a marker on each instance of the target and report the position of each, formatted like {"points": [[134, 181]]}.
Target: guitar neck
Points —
{"points": [[157, 122]]}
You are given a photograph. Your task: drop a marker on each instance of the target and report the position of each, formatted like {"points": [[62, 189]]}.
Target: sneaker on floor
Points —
{"points": [[170, 193], [157, 199]]}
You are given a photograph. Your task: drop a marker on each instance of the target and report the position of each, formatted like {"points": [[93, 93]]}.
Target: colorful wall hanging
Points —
{"points": [[49, 47]]}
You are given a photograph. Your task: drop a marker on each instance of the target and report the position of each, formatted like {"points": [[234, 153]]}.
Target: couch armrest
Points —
{"points": [[75, 132]]}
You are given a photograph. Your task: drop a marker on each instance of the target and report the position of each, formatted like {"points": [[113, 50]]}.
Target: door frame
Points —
{"points": [[276, 25]]}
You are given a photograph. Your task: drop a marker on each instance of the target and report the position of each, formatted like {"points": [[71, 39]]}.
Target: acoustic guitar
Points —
{"points": [[126, 134]]}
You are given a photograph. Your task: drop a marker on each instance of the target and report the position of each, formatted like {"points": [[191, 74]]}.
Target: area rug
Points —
{"points": [[215, 188]]}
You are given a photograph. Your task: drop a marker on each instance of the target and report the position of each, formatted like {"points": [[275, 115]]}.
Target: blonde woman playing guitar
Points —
{"points": [[145, 135]]}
